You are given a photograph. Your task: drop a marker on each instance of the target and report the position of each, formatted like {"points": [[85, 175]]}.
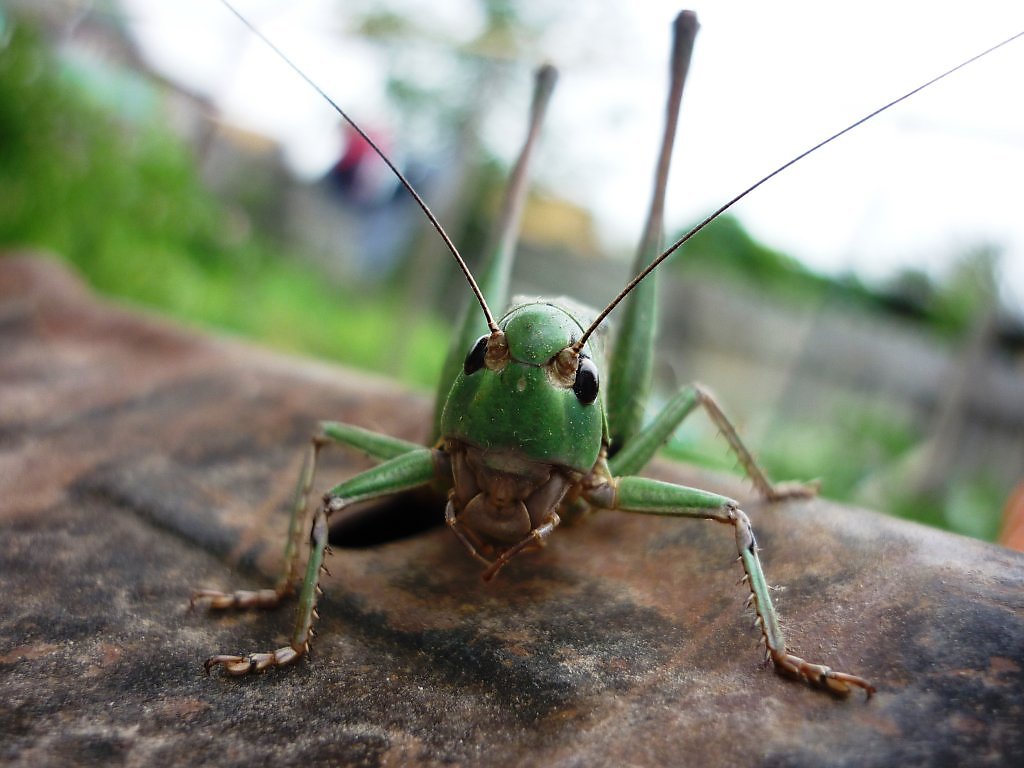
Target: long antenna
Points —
{"points": [[678, 243], [405, 182]]}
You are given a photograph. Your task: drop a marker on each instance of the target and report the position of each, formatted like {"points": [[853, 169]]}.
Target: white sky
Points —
{"points": [[914, 187]]}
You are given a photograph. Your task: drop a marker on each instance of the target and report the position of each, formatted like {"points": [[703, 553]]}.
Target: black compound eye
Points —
{"points": [[587, 382], [475, 358]]}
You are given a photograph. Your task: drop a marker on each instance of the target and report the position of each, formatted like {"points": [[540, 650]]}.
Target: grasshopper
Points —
{"points": [[524, 435]]}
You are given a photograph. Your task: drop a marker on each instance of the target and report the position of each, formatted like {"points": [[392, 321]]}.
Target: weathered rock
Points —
{"points": [[139, 460]]}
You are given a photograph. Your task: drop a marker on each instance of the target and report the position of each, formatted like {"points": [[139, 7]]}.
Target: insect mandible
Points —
{"points": [[538, 364]]}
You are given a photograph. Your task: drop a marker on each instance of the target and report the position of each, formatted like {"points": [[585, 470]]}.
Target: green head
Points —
{"points": [[525, 389]]}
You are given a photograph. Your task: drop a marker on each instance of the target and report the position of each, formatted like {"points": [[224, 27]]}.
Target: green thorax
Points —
{"points": [[519, 410]]}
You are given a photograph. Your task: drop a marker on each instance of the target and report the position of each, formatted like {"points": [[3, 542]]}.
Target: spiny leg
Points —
{"points": [[374, 444], [256, 662], [635, 454], [772, 492], [270, 598], [494, 274], [402, 473], [632, 361], [638, 494]]}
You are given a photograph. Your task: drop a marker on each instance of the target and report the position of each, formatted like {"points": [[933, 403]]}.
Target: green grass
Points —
{"points": [[119, 197]]}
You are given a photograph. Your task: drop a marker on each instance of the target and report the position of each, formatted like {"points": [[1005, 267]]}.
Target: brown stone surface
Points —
{"points": [[139, 460]]}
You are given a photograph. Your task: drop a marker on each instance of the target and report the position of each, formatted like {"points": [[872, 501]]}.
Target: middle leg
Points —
{"points": [[634, 455]]}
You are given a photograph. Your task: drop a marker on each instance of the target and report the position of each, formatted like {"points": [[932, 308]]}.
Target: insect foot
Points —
{"points": [[794, 489], [236, 666], [305, 615], [839, 683], [241, 598], [819, 675]]}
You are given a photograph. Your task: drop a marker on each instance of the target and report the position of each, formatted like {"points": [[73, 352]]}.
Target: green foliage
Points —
{"points": [[861, 440], [122, 201], [77, 181], [958, 301], [726, 249]]}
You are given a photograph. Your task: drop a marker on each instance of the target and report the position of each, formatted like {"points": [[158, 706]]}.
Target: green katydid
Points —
{"points": [[536, 367]]}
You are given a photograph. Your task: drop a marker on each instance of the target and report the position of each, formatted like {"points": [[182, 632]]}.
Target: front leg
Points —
{"points": [[404, 472], [374, 444], [638, 494]]}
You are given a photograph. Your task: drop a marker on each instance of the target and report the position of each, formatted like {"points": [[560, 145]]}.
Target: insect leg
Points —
{"points": [[653, 497], [635, 454], [632, 363], [496, 271], [374, 444], [402, 473]]}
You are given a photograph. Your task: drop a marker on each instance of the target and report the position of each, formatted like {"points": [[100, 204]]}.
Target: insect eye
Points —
{"points": [[587, 383], [475, 358]]}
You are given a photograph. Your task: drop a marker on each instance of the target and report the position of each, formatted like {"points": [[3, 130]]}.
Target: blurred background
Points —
{"points": [[861, 317]]}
